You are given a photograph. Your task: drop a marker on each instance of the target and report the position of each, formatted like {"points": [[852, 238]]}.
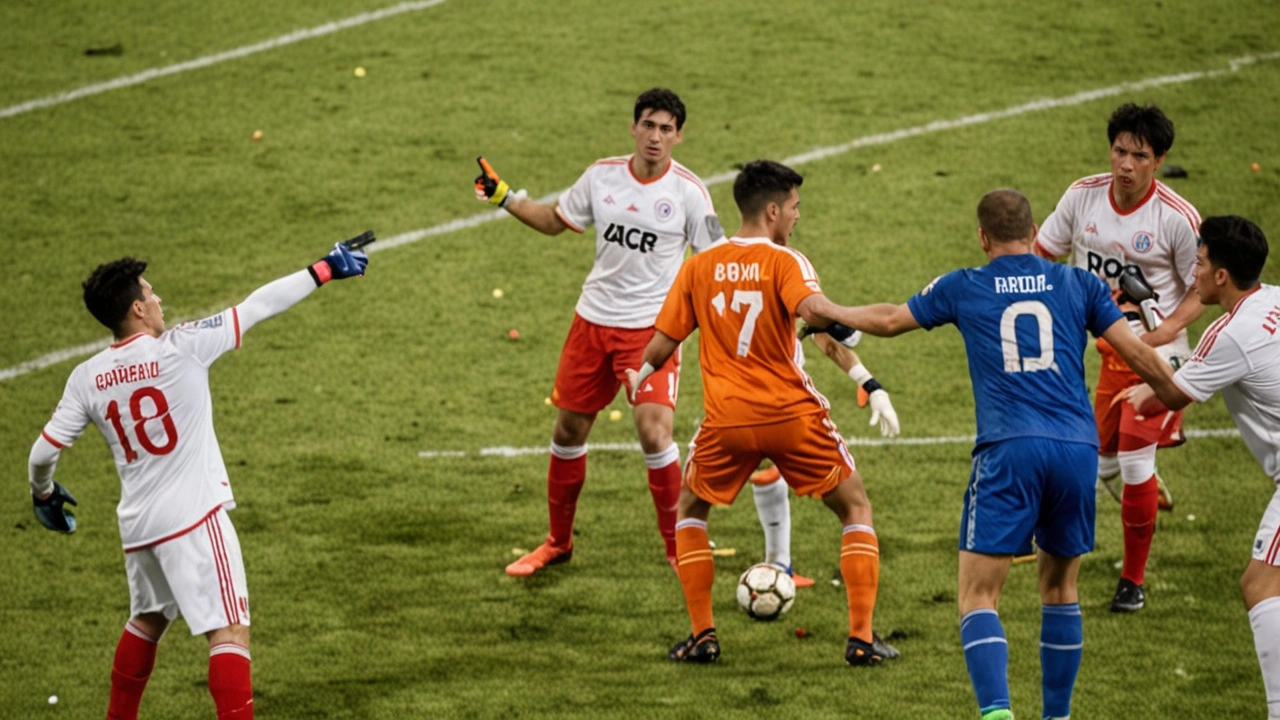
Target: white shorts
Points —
{"points": [[1266, 544], [199, 575]]}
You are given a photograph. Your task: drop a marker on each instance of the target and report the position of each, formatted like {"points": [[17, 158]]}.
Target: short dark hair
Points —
{"points": [[112, 289], [660, 99], [1004, 214], [761, 182], [1236, 245], [1144, 122]]}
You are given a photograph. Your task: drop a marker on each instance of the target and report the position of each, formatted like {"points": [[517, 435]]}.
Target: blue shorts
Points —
{"points": [[1031, 486]]}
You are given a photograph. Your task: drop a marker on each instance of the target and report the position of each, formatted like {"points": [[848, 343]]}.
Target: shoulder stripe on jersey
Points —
{"points": [[1209, 337], [621, 160], [1091, 181], [566, 222], [806, 268], [235, 321], [49, 439], [1179, 205], [682, 172]]}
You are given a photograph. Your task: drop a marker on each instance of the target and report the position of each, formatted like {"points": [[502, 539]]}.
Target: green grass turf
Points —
{"points": [[376, 575]]}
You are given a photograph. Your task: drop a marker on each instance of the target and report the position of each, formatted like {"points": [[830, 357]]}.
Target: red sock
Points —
{"points": [[1138, 513], [697, 572], [135, 657], [860, 568], [229, 682], [664, 485], [564, 484]]}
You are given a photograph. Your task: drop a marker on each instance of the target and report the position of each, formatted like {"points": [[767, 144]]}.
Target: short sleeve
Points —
{"points": [[574, 207], [71, 417], [1056, 232], [701, 226], [934, 305], [1184, 251], [206, 340], [676, 319], [797, 279], [1202, 376]]}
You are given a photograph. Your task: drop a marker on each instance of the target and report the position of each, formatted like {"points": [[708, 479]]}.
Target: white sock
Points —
{"points": [[1137, 466], [774, 508], [1265, 620], [1108, 466]]}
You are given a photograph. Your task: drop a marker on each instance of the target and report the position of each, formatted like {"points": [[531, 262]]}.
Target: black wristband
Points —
{"points": [[872, 385]]}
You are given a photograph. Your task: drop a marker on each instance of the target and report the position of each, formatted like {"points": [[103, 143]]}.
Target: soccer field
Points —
{"points": [[386, 437]]}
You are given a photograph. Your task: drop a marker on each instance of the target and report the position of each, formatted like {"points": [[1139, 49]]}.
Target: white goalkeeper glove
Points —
{"points": [[873, 393]]}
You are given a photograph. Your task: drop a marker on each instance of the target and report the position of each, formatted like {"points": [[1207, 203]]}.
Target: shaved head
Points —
{"points": [[1005, 215]]}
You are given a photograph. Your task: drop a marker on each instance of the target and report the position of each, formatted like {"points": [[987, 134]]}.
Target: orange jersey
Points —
{"points": [[742, 294]]}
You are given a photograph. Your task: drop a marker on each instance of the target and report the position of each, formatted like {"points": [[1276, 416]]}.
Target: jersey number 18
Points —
{"points": [[161, 406]]}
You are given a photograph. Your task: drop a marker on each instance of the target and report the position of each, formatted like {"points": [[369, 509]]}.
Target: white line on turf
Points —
{"points": [[206, 61], [507, 451], [1235, 64]]}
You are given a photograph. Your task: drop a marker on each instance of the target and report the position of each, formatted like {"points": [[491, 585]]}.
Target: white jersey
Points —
{"points": [[643, 228], [1239, 355], [1158, 236], [149, 396]]}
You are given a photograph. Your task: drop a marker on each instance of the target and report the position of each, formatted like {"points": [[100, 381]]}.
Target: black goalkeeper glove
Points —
{"points": [[51, 513], [489, 187]]}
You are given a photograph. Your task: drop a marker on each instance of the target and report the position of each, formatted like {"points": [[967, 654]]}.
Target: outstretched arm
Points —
{"points": [[492, 189], [344, 261], [882, 320], [1150, 366]]}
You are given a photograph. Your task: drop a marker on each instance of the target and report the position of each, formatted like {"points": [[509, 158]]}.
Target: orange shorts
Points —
{"points": [[1118, 425], [807, 450], [593, 366]]}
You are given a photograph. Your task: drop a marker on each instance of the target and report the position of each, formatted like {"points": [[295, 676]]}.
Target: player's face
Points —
{"points": [[153, 315], [656, 135], [1206, 288], [1133, 167], [788, 216]]}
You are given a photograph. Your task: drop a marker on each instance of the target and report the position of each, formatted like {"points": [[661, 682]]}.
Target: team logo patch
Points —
{"points": [[664, 209], [1142, 241]]}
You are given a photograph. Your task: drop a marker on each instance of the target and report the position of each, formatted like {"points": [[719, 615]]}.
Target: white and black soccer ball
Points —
{"points": [[766, 591]]}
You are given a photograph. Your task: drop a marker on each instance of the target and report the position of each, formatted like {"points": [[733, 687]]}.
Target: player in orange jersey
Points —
{"points": [[745, 294]]}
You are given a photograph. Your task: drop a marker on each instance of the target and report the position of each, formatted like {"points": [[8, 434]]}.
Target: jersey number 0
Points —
{"points": [[1013, 360], [161, 406]]}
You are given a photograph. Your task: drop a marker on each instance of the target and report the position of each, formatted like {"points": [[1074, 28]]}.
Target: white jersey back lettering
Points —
{"points": [[150, 399], [642, 231], [1158, 236], [1239, 356]]}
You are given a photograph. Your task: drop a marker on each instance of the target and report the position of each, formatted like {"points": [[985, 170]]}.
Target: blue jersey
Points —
{"points": [[1024, 321]]}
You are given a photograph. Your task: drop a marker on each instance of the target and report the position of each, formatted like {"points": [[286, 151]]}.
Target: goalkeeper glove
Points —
{"points": [[1135, 288], [870, 391], [51, 513], [489, 187], [341, 262], [844, 334]]}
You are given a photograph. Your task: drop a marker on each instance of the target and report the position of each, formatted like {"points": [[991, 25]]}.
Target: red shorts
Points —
{"points": [[807, 450], [1118, 425], [593, 366]]}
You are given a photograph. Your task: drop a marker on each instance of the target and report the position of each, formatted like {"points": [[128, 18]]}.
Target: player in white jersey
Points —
{"points": [[148, 393], [1107, 223], [648, 210], [1239, 355]]}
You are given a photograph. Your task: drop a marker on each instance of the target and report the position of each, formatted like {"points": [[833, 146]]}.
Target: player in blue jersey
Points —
{"points": [[1025, 322]]}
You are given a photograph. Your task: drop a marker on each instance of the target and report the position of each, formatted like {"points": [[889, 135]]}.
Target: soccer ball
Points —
{"points": [[766, 591]]}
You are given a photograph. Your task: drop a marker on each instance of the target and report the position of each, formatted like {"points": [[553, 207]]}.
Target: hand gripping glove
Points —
{"points": [[1135, 288], [489, 187], [344, 261], [51, 513], [844, 334]]}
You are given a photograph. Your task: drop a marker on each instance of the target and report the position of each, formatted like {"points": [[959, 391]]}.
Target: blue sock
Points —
{"points": [[986, 653], [1061, 645]]}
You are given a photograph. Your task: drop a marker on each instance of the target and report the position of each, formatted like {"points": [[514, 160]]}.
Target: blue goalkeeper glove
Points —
{"points": [[489, 187], [51, 513], [344, 261]]}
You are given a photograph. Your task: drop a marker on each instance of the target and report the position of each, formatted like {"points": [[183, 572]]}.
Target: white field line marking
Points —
{"points": [[507, 451], [206, 61], [53, 358]]}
